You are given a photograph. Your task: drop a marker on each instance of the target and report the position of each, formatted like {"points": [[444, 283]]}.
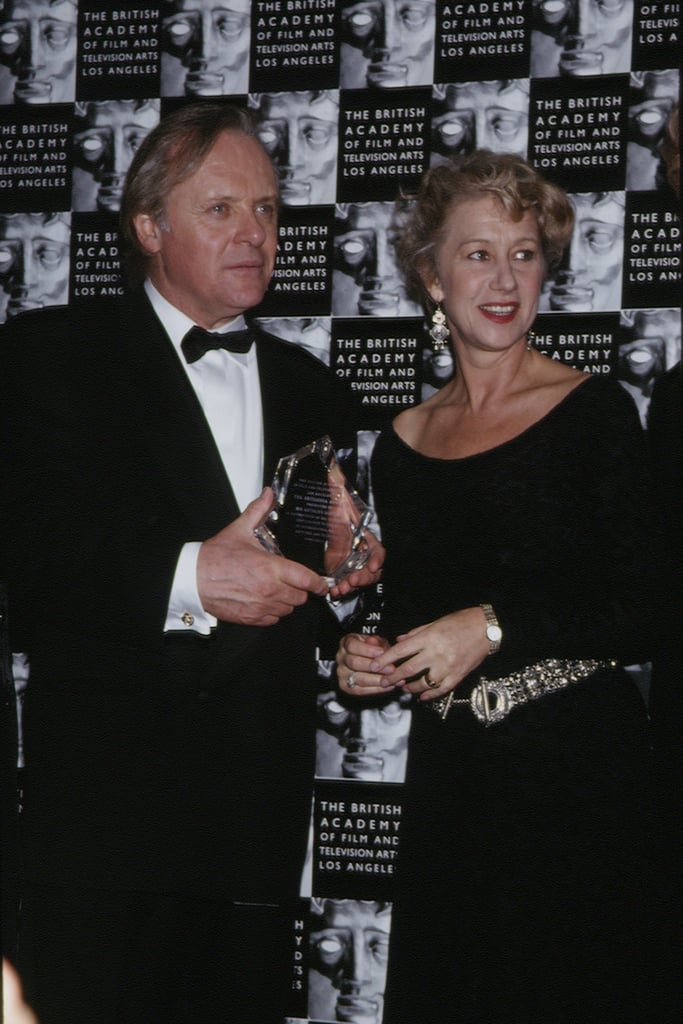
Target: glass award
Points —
{"points": [[316, 518]]}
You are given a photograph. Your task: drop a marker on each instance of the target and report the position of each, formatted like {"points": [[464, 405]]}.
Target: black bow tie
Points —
{"points": [[197, 341]]}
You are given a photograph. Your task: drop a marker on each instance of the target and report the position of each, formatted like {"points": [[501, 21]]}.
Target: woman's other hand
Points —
{"points": [[357, 652]]}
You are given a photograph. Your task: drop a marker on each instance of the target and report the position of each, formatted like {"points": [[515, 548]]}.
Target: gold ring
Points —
{"points": [[431, 683]]}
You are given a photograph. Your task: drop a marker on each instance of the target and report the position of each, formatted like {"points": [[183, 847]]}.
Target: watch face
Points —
{"points": [[494, 633]]}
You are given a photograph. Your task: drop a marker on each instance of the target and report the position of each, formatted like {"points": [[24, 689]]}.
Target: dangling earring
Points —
{"points": [[438, 330], [530, 339]]}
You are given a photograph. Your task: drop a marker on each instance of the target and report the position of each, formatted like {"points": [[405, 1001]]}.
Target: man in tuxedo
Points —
{"points": [[170, 714]]}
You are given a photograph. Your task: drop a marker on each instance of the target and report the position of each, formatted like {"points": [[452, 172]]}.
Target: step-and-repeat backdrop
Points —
{"points": [[355, 100]]}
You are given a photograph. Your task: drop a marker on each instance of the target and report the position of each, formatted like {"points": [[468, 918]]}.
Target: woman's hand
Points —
{"points": [[357, 652], [369, 574], [432, 659]]}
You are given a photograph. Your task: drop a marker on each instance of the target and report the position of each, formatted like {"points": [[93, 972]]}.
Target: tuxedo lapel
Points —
{"points": [[172, 425]]}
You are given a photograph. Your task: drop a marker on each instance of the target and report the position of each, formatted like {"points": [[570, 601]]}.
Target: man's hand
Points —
{"points": [[239, 581]]}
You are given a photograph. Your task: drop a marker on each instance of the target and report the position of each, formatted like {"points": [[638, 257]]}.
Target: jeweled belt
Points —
{"points": [[492, 700]]}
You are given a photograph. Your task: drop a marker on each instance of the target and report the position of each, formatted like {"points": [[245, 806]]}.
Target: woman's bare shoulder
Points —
{"points": [[554, 378]]}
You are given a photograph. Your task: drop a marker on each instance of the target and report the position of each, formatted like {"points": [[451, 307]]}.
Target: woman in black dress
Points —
{"points": [[522, 550]]}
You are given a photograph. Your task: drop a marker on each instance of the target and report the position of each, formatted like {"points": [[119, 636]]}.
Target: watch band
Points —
{"points": [[494, 634]]}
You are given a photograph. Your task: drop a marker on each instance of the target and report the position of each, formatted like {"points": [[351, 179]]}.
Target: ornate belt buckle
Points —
{"points": [[490, 701]]}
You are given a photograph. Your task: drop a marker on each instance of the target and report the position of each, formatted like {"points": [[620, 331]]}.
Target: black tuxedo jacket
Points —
{"points": [[175, 763]]}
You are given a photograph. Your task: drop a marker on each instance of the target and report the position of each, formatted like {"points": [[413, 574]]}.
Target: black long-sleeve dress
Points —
{"points": [[526, 863]]}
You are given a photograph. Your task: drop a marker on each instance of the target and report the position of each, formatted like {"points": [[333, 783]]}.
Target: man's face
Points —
{"points": [[104, 149], [205, 48], [38, 45], [482, 115], [368, 744], [581, 37], [387, 43], [213, 256], [592, 277], [349, 953], [299, 131], [34, 261]]}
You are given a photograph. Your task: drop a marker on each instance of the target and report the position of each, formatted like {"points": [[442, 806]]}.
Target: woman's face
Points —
{"points": [[489, 271]]}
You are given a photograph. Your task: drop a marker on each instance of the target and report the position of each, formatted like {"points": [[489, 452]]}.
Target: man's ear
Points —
{"points": [[148, 232]]}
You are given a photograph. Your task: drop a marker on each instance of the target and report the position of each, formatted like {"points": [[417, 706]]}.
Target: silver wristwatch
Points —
{"points": [[494, 634]]}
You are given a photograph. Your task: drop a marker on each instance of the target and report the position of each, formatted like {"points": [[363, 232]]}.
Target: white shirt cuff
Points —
{"points": [[185, 612]]}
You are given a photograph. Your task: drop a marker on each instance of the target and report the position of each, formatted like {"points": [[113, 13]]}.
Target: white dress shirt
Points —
{"points": [[228, 389]]}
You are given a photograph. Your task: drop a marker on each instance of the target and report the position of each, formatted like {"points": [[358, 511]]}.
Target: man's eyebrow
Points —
{"points": [[272, 197]]}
